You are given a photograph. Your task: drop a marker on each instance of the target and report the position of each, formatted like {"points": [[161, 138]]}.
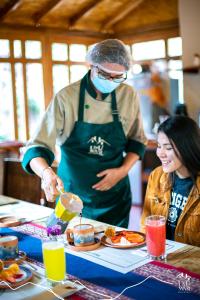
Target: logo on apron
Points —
{"points": [[97, 145]]}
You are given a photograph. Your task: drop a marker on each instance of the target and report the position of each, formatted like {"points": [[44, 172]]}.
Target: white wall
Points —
{"points": [[189, 18]]}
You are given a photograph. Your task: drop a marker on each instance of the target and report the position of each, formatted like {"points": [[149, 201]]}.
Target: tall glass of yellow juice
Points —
{"points": [[54, 260]]}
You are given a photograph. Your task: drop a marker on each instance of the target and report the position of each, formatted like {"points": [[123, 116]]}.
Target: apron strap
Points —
{"points": [[81, 99], [115, 112]]}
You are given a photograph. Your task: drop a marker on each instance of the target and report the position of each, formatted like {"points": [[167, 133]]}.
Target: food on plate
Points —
{"points": [[11, 273], [127, 236], [110, 231]]}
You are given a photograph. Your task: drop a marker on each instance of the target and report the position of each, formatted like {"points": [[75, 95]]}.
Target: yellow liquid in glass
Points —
{"points": [[54, 260]]}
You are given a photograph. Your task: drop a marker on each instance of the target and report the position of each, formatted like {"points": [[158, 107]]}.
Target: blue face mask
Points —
{"points": [[104, 86]]}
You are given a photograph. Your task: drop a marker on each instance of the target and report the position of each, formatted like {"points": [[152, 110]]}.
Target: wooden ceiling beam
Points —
{"points": [[11, 5], [39, 15], [82, 12], [164, 28], [52, 31], [147, 28], [124, 12]]}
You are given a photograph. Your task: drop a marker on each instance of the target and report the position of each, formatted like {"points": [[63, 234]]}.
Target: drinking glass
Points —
{"points": [[156, 236], [54, 260]]}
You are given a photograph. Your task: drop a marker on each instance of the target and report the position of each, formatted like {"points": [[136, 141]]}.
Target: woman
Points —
{"points": [[94, 121], [174, 188]]}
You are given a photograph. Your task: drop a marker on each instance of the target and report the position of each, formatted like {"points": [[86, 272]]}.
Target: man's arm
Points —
{"points": [[113, 176], [51, 183]]}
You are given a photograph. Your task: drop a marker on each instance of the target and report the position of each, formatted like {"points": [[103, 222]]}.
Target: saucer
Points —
{"points": [[18, 260], [94, 246]]}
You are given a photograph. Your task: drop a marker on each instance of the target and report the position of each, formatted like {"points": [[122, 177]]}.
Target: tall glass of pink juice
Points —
{"points": [[156, 236]]}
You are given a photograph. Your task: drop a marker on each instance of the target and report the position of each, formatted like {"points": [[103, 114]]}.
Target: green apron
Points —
{"points": [[90, 149]]}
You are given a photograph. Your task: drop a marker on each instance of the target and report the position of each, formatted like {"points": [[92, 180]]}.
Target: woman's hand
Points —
{"points": [[51, 184], [111, 178]]}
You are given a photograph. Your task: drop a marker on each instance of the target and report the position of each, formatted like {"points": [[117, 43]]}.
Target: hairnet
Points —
{"points": [[109, 51]]}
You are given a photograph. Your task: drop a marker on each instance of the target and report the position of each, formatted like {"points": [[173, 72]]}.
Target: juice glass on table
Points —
{"points": [[156, 236], [54, 260]]}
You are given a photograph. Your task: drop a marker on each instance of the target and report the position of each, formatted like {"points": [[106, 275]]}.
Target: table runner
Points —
{"points": [[99, 278]]}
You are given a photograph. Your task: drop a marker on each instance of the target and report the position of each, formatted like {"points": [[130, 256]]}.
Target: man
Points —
{"points": [[95, 121]]}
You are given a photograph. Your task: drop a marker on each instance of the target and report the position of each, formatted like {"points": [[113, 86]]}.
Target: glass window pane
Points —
{"points": [[59, 52], [33, 49], [77, 52], [19, 84], [6, 103], [17, 49], [77, 72], [175, 72], [148, 50], [175, 46], [175, 64], [35, 94], [159, 65], [4, 48], [60, 77]]}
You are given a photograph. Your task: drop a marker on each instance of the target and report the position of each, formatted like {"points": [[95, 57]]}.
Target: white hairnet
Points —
{"points": [[109, 51]]}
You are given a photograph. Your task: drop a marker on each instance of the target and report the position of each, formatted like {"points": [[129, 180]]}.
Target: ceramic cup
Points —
{"points": [[81, 235], [9, 247]]}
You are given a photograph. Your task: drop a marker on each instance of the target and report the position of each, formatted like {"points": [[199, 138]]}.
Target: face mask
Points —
{"points": [[103, 85]]}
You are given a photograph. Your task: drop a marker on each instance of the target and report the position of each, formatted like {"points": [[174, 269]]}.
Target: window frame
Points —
{"points": [[46, 61]]}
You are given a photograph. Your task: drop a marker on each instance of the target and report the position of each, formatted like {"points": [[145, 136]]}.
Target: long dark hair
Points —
{"points": [[184, 135]]}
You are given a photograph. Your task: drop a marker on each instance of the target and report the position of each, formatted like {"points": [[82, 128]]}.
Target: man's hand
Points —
{"points": [[111, 178], [51, 184]]}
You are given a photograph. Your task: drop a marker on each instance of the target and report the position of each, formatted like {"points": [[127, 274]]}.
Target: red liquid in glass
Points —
{"points": [[155, 238]]}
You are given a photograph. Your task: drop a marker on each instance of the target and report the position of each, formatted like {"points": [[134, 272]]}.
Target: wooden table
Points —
{"points": [[187, 257]]}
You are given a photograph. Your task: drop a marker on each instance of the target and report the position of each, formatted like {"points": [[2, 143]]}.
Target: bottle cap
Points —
{"points": [[54, 230]]}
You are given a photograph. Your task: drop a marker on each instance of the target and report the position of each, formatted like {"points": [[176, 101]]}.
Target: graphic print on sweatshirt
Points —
{"points": [[179, 197]]}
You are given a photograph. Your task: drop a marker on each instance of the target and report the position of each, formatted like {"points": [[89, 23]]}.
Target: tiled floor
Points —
{"points": [[135, 214]]}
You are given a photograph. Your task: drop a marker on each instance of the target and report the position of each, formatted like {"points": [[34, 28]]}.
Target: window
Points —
{"points": [[77, 72], [23, 68], [163, 56], [32, 70], [33, 49], [21, 84], [17, 49], [174, 46], [148, 50], [67, 68], [59, 52], [60, 77], [4, 48], [175, 72], [77, 52], [6, 96], [35, 94]]}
